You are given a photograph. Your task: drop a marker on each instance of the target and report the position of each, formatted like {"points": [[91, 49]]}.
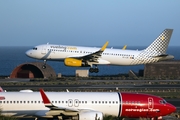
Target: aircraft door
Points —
{"points": [[150, 106], [44, 49], [70, 102], [76, 102], [150, 103]]}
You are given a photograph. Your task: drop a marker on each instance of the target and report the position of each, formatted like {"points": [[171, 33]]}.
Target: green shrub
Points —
{"points": [[7, 118]]}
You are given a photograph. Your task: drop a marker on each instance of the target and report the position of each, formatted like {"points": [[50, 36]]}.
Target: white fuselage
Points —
{"points": [[109, 56], [84, 105], [30, 104]]}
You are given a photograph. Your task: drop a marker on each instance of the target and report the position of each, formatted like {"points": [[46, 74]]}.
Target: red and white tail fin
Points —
{"points": [[1, 90], [45, 99]]}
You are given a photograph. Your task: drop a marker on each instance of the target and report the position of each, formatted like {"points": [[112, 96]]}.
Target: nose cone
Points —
{"points": [[29, 53], [171, 108]]}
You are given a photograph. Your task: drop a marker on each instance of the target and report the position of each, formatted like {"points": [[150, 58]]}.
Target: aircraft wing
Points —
{"points": [[49, 105], [56, 110], [93, 56]]}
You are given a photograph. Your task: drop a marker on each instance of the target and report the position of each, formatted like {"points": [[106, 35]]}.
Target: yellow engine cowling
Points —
{"points": [[73, 62]]}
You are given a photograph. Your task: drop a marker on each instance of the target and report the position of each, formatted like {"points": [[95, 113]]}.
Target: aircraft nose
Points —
{"points": [[171, 108], [29, 53]]}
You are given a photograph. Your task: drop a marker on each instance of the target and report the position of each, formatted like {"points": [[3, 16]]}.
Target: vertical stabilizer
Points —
{"points": [[1, 90], [160, 45]]}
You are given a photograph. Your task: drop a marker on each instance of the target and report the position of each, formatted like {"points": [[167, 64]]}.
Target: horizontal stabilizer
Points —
{"points": [[164, 57]]}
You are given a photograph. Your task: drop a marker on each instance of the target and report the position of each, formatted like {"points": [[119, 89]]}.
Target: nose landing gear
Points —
{"points": [[44, 65]]}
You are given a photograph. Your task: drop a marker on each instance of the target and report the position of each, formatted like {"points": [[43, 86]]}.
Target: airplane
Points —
{"points": [[79, 56], [83, 105]]}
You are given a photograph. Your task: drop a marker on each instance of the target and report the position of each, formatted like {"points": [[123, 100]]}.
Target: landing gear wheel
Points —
{"points": [[96, 70], [44, 66], [91, 70]]}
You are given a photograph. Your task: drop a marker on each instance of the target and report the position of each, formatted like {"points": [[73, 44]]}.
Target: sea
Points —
{"points": [[13, 56]]}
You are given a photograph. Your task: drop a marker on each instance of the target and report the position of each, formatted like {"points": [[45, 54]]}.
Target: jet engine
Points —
{"points": [[74, 62]]}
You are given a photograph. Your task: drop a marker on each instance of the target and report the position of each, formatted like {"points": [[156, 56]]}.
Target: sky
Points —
{"points": [[87, 22]]}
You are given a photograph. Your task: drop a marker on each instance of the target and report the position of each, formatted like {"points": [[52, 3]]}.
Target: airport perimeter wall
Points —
{"points": [[163, 70]]}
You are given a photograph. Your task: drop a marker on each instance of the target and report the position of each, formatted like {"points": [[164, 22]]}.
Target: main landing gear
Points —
{"points": [[44, 65], [91, 70]]}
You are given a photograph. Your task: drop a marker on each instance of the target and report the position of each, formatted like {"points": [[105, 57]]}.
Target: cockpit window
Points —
{"points": [[35, 48], [162, 102]]}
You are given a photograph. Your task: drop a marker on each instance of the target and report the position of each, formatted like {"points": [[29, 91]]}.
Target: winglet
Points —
{"points": [[124, 47], [104, 46], [46, 100]]}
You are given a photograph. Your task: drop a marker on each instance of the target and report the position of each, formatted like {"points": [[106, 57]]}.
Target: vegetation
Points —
{"points": [[59, 84], [110, 117], [2, 117], [7, 118]]}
